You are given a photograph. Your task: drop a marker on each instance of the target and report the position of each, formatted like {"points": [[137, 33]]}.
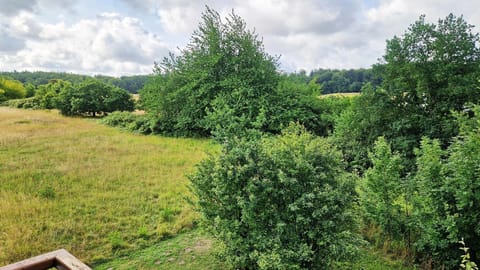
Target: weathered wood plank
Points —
{"points": [[59, 257], [68, 261]]}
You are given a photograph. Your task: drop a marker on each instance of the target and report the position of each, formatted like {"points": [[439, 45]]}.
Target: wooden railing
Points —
{"points": [[59, 259]]}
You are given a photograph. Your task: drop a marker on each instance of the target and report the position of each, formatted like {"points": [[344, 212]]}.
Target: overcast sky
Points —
{"points": [[125, 37]]}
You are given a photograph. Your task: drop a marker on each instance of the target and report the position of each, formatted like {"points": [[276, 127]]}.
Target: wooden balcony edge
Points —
{"points": [[58, 258]]}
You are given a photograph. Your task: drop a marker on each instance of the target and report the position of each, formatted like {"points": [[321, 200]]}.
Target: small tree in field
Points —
{"points": [[92, 97], [277, 203]]}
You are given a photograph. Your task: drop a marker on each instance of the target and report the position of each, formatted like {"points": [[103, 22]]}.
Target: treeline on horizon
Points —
{"points": [[131, 83], [330, 80]]}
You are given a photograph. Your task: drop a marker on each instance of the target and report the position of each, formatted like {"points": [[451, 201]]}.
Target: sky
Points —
{"points": [[126, 37]]}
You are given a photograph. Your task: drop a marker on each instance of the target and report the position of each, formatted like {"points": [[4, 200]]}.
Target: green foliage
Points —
{"points": [[462, 182], [427, 72], [30, 90], [466, 263], [47, 192], [24, 103], [341, 81], [277, 203], [382, 191], [223, 69], [143, 124], [446, 200], [93, 97], [430, 197], [47, 95], [359, 125], [130, 83], [295, 101], [11, 89], [332, 107], [118, 100]]}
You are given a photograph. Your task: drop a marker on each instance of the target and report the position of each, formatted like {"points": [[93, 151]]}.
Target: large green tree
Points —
{"points": [[224, 68], [429, 71]]}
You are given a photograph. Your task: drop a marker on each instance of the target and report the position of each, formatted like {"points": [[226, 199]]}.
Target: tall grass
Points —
{"points": [[97, 191]]}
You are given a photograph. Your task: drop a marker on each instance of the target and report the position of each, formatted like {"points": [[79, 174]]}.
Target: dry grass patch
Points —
{"points": [[340, 95]]}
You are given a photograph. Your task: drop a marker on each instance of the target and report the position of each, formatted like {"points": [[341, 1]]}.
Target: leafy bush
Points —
{"points": [[47, 192], [92, 97], [277, 203], [382, 191], [48, 94], [129, 121], [24, 103], [11, 89], [466, 263]]}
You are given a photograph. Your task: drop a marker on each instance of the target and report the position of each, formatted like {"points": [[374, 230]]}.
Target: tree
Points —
{"points": [[223, 68], [431, 197], [447, 201], [358, 127], [428, 72], [118, 100], [277, 202], [11, 89], [383, 190], [47, 94], [93, 97]]}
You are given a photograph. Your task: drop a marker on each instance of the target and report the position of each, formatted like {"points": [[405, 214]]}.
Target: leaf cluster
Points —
{"points": [[278, 202]]}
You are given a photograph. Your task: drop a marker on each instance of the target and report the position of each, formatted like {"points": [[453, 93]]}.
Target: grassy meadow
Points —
{"points": [[114, 199], [97, 191]]}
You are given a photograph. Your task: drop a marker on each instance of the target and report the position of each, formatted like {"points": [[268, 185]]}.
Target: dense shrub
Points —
{"points": [[24, 103], [448, 194], [11, 89], [129, 121], [48, 94], [277, 203], [93, 97], [383, 191]]}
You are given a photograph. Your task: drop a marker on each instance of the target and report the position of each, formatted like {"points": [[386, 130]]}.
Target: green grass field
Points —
{"points": [[94, 190], [114, 199]]}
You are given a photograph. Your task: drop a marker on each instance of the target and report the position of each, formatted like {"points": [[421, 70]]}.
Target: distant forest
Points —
{"points": [[130, 83], [331, 80], [340, 80]]}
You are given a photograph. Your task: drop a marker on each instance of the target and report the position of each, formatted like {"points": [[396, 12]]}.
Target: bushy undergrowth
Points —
{"points": [[126, 120], [24, 103], [279, 202]]}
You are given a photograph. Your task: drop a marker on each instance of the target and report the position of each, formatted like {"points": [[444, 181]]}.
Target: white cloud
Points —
{"points": [[109, 44], [307, 34], [11, 8]]}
